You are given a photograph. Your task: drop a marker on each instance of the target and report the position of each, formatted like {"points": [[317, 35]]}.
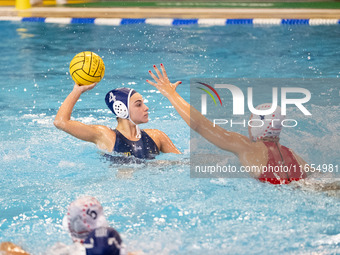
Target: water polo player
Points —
{"points": [[105, 241], [261, 149], [127, 138], [84, 215]]}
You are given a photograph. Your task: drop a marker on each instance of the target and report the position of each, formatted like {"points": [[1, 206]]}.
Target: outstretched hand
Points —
{"points": [[83, 88], [162, 82]]}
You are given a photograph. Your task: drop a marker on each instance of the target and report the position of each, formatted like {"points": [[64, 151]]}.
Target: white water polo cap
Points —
{"points": [[84, 215], [118, 101], [269, 125]]}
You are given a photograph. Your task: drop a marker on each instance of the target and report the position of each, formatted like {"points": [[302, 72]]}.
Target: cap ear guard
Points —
{"points": [[120, 109]]}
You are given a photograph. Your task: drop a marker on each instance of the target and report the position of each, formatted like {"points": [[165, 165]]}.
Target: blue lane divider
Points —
{"points": [[176, 22], [295, 22], [82, 20], [239, 21], [132, 21], [33, 19]]}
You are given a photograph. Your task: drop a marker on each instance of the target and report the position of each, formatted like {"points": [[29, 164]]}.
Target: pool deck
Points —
{"points": [[184, 9], [187, 13]]}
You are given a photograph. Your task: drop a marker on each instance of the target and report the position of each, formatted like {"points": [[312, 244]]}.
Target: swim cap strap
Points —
{"points": [[138, 133]]}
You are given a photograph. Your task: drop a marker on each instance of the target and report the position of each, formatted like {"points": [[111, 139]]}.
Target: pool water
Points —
{"points": [[156, 206]]}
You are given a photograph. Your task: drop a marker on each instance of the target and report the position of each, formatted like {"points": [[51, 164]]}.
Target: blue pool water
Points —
{"points": [[156, 206]]}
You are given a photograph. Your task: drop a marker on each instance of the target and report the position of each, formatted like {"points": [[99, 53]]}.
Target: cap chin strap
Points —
{"points": [[138, 133]]}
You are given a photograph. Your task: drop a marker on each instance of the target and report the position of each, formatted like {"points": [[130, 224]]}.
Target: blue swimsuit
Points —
{"points": [[144, 148]]}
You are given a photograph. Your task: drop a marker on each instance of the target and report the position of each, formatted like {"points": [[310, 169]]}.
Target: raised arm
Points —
{"points": [[92, 133], [225, 140]]}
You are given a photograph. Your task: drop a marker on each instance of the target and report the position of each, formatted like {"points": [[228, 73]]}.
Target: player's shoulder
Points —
{"points": [[104, 129], [154, 132]]}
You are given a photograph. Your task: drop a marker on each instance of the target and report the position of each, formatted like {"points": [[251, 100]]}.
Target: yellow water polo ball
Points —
{"points": [[86, 68]]}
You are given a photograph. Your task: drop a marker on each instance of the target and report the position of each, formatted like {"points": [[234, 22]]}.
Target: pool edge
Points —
{"points": [[184, 13]]}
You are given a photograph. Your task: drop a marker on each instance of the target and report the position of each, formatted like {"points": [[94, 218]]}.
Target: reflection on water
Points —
{"points": [[23, 33]]}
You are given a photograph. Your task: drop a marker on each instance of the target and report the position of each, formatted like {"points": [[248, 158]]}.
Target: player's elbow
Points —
{"points": [[58, 123]]}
